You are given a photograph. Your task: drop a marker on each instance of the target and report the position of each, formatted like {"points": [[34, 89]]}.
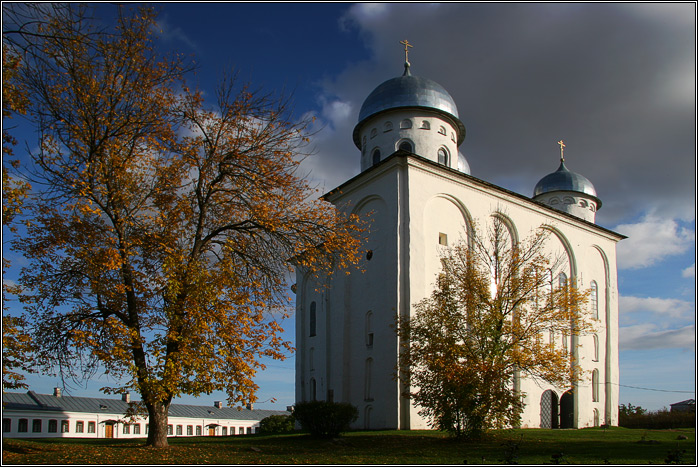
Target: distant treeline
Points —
{"points": [[636, 417]]}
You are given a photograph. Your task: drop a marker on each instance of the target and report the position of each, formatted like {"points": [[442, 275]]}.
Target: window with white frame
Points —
{"points": [[369, 329], [596, 347], [406, 145], [375, 156], [594, 300], [595, 385], [443, 156], [368, 396], [313, 319]]}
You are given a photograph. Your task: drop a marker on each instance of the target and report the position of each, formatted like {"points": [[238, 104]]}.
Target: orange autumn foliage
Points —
{"points": [[494, 302], [161, 244]]}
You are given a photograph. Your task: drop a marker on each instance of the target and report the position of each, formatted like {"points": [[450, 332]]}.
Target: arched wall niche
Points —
{"points": [[567, 247], [464, 213], [511, 227], [445, 223]]}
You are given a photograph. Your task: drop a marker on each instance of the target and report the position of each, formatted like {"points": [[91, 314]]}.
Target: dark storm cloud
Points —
{"points": [[616, 82]]}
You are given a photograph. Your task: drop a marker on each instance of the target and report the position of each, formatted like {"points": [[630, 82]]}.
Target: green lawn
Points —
{"points": [[587, 446]]}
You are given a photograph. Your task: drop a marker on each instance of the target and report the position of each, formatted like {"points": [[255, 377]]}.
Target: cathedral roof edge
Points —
{"points": [[458, 174]]}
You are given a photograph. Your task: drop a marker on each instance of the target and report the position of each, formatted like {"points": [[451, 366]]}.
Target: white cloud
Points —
{"points": [[662, 306], [170, 33], [651, 240], [689, 271], [645, 336]]}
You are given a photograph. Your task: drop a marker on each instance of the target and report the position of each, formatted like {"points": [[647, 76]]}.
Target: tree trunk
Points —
{"points": [[157, 431]]}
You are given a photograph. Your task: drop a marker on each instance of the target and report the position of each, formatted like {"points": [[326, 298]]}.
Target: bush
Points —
{"points": [[274, 424], [325, 419]]}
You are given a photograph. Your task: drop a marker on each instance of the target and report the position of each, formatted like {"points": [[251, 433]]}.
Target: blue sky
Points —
{"points": [[616, 82]]}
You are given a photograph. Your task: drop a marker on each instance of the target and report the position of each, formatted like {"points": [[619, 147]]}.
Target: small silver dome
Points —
{"points": [[409, 91], [564, 180]]}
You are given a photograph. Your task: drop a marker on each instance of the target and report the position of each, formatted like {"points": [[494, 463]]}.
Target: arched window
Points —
{"points": [[374, 132], [367, 380], [369, 329], [313, 319], [406, 123], [596, 347], [443, 156], [562, 279], [594, 300], [387, 127], [442, 130], [425, 125], [311, 358], [595, 385], [406, 145], [313, 389], [596, 417], [376, 155]]}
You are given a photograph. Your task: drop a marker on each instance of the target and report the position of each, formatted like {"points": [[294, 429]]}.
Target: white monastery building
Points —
{"points": [[32, 415], [417, 187]]}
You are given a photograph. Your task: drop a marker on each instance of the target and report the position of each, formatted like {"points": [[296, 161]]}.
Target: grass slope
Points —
{"points": [[531, 446]]}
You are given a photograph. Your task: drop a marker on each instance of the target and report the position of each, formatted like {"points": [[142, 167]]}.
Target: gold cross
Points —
{"points": [[406, 44], [562, 150]]}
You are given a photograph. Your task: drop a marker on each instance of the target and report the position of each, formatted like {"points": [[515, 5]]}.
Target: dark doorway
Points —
{"points": [[549, 410], [567, 410]]}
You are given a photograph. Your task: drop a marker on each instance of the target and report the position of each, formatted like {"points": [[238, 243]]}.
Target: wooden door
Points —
{"points": [[108, 431], [211, 431]]}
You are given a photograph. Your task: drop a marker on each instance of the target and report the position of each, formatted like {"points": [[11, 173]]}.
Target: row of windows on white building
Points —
{"points": [[405, 144], [37, 426], [406, 124]]}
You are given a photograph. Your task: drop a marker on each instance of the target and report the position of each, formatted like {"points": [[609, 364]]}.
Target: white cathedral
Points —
{"points": [[418, 189]]}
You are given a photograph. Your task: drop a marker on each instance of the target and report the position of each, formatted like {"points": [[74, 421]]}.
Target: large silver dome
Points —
{"points": [[409, 91], [564, 180]]}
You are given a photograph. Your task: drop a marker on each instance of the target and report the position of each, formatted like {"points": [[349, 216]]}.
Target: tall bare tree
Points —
{"points": [[161, 240]]}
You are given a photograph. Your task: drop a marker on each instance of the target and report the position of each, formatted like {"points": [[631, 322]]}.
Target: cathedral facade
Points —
{"points": [[416, 189]]}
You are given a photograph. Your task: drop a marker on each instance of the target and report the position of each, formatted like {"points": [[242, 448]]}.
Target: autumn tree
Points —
{"points": [[161, 239], [16, 344], [493, 302]]}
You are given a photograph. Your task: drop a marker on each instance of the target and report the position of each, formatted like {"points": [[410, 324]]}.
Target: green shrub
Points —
{"points": [[274, 424], [325, 419]]}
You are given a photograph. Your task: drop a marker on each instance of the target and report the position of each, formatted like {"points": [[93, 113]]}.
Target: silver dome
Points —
{"points": [[564, 180], [409, 91]]}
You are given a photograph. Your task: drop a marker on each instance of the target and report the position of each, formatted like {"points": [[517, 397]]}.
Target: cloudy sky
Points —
{"points": [[616, 82]]}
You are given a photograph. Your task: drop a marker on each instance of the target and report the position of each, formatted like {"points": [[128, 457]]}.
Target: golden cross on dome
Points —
{"points": [[406, 44], [562, 150]]}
